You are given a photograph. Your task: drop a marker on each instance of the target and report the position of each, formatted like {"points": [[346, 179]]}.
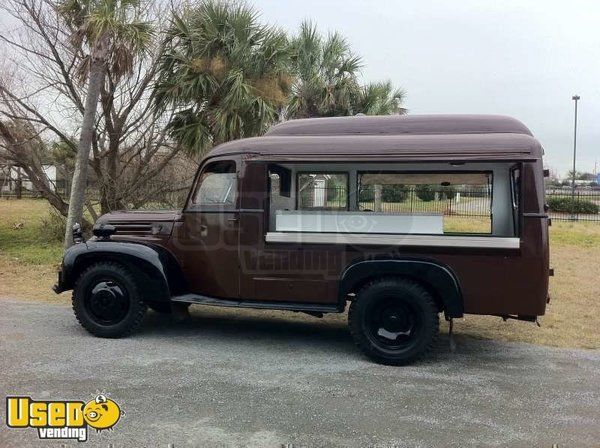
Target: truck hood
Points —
{"points": [[141, 223]]}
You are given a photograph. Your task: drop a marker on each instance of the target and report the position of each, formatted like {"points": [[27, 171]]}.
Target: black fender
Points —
{"points": [[437, 278], [160, 271]]}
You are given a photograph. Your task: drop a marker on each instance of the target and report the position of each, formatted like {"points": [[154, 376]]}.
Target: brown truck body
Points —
{"points": [[238, 249]]}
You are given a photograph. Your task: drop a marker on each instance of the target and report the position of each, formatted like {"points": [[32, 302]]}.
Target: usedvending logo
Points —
{"points": [[61, 419]]}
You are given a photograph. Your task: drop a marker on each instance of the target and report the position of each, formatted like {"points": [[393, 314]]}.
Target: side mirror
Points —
{"points": [[77, 233]]}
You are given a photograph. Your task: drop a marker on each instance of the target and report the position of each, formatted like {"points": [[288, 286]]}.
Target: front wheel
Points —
{"points": [[394, 321], [107, 302]]}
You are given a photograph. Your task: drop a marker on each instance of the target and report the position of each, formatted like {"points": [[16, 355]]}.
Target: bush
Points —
{"points": [[393, 193], [425, 193], [447, 192], [366, 193], [389, 193], [567, 205], [52, 227]]}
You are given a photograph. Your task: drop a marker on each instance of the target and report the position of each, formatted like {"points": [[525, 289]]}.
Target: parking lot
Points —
{"points": [[227, 378]]}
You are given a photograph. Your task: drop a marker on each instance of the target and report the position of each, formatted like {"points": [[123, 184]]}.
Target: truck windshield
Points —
{"points": [[217, 185]]}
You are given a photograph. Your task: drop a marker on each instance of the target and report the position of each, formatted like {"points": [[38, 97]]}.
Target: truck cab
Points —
{"points": [[400, 219]]}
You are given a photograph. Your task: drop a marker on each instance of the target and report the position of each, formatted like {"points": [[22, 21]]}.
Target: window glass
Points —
{"points": [[515, 178], [451, 202], [217, 185], [322, 191]]}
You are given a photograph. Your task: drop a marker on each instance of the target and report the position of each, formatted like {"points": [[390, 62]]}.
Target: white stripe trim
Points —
{"points": [[488, 242]]}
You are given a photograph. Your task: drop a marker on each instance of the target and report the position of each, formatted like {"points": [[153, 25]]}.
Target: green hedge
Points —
{"points": [[567, 205], [389, 193], [393, 193], [425, 193]]}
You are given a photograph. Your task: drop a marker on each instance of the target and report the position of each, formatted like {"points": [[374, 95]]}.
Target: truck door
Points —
{"points": [[207, 238], [280, 272]]}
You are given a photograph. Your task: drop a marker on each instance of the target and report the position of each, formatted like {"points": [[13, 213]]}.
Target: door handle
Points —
{"points": [[233, 219]]}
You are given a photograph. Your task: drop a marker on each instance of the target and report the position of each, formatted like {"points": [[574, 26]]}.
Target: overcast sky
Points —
{"points": [[519, 58]]}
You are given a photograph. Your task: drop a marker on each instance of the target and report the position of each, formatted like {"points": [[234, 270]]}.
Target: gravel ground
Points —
{"points": [[252, 379]]}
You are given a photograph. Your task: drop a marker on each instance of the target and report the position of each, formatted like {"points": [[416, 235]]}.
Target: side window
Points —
{"points": [[217, 185], [427, 202], [322, 191]]}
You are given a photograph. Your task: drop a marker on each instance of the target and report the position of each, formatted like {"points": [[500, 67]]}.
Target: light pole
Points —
{"points": [[576, 99]]}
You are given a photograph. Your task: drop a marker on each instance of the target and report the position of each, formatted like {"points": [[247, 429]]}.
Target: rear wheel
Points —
{"points": [[107, 302], [394, 321]]}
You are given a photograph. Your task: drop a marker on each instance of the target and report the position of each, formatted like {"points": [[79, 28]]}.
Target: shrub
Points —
{"points": [[393, 193], [447, 192], [568, 205], [366, 193], [52, 227], [425, 193]]}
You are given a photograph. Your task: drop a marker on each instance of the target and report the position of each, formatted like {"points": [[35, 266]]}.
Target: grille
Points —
{"points": [[134, 228]]}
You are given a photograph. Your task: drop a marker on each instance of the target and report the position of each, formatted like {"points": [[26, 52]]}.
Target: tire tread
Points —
{"points": [[363, 344], [137, 302]]}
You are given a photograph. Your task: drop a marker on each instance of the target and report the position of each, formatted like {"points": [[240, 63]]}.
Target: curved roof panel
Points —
{"points": [[405, 147], [401, 125]]}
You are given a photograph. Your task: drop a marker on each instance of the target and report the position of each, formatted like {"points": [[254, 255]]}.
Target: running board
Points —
{"points": [[283, 306]]}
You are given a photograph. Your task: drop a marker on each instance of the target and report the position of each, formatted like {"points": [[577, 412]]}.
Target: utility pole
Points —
{"points": [[576, 99]]}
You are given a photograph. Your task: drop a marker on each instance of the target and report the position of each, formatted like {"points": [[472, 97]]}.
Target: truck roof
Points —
{"points": [[393, 138], [401, 125]]}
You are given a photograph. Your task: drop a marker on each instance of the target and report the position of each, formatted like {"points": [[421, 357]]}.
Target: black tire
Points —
{"points": [[107, 302], [394, 321]]}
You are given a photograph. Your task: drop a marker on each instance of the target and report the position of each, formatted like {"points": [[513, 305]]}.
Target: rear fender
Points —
{"points": [[438, 279]]}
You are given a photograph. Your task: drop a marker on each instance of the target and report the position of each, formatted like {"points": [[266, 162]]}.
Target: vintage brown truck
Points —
{"points": [[321, 214]]}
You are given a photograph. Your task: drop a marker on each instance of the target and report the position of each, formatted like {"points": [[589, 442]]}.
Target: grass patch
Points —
{"points": [[575, 233], [25, 234], [28, 269]]}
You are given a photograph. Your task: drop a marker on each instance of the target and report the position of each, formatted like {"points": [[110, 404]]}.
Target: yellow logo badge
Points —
{"points": [[62, 419]]}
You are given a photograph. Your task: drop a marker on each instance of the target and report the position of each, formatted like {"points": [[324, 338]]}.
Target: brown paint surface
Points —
{"points": [[223, 253]]}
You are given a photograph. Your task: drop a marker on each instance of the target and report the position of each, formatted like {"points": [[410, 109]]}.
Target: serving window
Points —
{"points": [[429, 202], [472, 199]]}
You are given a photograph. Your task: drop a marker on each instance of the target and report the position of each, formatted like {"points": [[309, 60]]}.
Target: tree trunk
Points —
{"points": [[377, 192], [77, 198], [110, 182], [19, 188]]}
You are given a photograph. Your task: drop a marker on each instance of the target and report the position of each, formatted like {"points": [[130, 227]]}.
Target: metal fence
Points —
{"points": [[475, 202], [467, 202], [583, 206]]}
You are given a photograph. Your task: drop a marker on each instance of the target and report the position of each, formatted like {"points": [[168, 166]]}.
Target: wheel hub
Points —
{"points": [[394, 320], [392, 324], [108, 302]]}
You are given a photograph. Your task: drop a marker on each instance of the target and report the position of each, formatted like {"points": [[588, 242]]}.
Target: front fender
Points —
{"points": [[438, 279], [155, 264]]}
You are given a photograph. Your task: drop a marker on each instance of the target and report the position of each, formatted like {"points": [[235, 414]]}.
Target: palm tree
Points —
{"points": [[379, 98], [326, 80], [227, 74], [110, 32], [326, 74]]}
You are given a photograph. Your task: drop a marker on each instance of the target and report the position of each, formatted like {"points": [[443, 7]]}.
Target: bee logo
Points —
{"points": [[101, 413]]}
